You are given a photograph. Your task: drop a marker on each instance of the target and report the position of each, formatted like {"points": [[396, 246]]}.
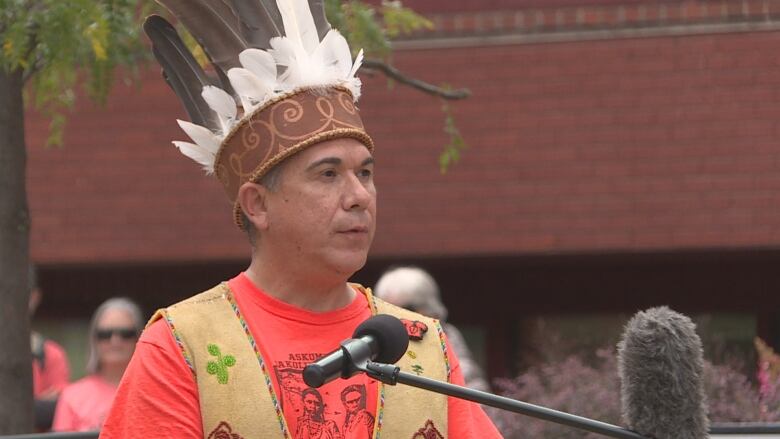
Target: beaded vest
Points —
{"points": [[237, 398]]}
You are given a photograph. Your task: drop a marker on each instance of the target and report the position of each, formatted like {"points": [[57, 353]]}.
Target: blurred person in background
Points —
{"points": [[113, 332], [416, 290], [50, 368]]}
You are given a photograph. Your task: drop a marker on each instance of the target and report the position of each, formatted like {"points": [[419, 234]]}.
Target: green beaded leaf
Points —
{"points": [[213, 350], [222, 376], [229, 360], [212, 368]]}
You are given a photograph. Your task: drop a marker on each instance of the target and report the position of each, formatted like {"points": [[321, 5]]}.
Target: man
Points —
{"points": [[358, 422], [313, 424], [298, 167]]}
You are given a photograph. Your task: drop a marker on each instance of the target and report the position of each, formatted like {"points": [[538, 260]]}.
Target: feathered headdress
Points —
{"points": [[283, 80]]}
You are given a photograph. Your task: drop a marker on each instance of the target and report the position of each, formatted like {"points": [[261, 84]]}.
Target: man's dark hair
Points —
{"points": [[354, 388], [271, 180]]}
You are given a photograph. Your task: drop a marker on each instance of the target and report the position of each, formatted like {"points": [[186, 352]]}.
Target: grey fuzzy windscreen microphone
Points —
{"points": [[660, 366]]}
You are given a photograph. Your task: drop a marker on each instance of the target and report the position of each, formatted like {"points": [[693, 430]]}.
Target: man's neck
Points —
{"points": [[317, 295]]}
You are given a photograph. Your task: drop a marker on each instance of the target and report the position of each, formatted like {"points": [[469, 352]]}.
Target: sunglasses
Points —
{"points": [[123, 333]]}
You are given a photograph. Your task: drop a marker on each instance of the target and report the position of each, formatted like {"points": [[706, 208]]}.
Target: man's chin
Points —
{"points": [[348, 263]]}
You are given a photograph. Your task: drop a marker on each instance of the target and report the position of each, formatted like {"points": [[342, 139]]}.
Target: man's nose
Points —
{"points": [[358, 195]]}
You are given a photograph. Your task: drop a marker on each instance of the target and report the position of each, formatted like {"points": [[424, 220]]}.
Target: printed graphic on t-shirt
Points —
{"points": [[338, 413]]}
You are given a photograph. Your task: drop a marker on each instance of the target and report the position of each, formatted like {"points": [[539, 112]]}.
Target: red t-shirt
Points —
{"points": [[54, 376], [158, 396]]}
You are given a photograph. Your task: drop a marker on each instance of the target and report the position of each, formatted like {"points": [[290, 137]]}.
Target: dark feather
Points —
{"points": [[214, 26], [223, 82], [260, 21], [181, 70]]}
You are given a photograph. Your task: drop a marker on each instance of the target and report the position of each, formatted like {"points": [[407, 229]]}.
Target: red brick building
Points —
{"points": [[621, 154]]}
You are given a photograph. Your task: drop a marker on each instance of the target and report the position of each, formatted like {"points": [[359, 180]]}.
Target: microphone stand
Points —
{"points": [[390, 374]]}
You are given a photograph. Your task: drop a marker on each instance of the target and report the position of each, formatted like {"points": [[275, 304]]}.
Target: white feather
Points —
{"points": [[288, 55], [299, 24], [261, 63], [295, 49], [356, 65], [248, 87], [353, 84], [198, 154], [282, 51], [223, 104], [333, 53], [200, 135]]}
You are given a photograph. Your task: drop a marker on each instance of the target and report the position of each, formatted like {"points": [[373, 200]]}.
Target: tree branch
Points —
{"points": [[393, 73], [37, 64], [29, 72], [33, 28]]}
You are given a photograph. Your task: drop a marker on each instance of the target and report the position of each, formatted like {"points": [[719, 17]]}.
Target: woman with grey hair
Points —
{"points": [[416, 290], [113, 332]]}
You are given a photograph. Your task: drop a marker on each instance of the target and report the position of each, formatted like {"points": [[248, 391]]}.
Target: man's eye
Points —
{"points": [[329, 173], [366, 173]]}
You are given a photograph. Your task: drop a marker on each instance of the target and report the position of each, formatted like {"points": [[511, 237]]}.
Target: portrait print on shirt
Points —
{"points": [[336, 413]]}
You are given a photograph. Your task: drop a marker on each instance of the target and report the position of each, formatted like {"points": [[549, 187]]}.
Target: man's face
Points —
{"points": [[311, 403], [323, 214], [352, 401]]}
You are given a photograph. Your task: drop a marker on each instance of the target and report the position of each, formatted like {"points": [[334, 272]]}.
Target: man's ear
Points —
{"points": [[252, 199]]}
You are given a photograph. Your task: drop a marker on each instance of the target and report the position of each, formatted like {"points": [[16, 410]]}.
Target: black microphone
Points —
{"points": [[382, 338], [660, 366]]}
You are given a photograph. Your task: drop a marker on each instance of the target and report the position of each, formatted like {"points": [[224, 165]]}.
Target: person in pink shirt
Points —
{"points": [[50, 363], [50, 368], [84, 404]]}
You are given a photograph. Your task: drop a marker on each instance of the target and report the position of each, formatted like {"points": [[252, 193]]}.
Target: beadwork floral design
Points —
{"points": [[429, 431], [224, 431], [415, 328], [220, 366]]}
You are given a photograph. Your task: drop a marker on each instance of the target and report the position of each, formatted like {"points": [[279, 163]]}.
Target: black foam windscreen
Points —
{"points": [[390, 335], [661, 366]]}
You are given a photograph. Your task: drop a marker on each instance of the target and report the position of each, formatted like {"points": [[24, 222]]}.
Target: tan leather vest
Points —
{"points": [[236, 394]]}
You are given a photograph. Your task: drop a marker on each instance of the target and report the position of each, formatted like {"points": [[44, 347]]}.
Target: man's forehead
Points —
{"points": [[336, 150]]}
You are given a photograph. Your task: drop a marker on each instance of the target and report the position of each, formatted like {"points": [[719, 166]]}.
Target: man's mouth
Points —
{"points": [[355, 230]]}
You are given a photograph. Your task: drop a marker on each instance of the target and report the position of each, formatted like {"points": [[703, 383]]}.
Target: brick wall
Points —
{"points": [[615, 144], [498, 16], [623, 144]]}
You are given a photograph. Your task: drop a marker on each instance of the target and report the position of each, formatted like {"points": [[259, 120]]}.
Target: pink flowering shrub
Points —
{"points": [[571, 386], [592, 389]]}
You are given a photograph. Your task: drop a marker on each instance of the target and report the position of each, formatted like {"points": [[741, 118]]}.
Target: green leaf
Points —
{"points": [[399, 20], [452, 151], [213, 350], [56, 128], [229, 360], [363, 30], [212, 368], [61, 43], [222, 376]]}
